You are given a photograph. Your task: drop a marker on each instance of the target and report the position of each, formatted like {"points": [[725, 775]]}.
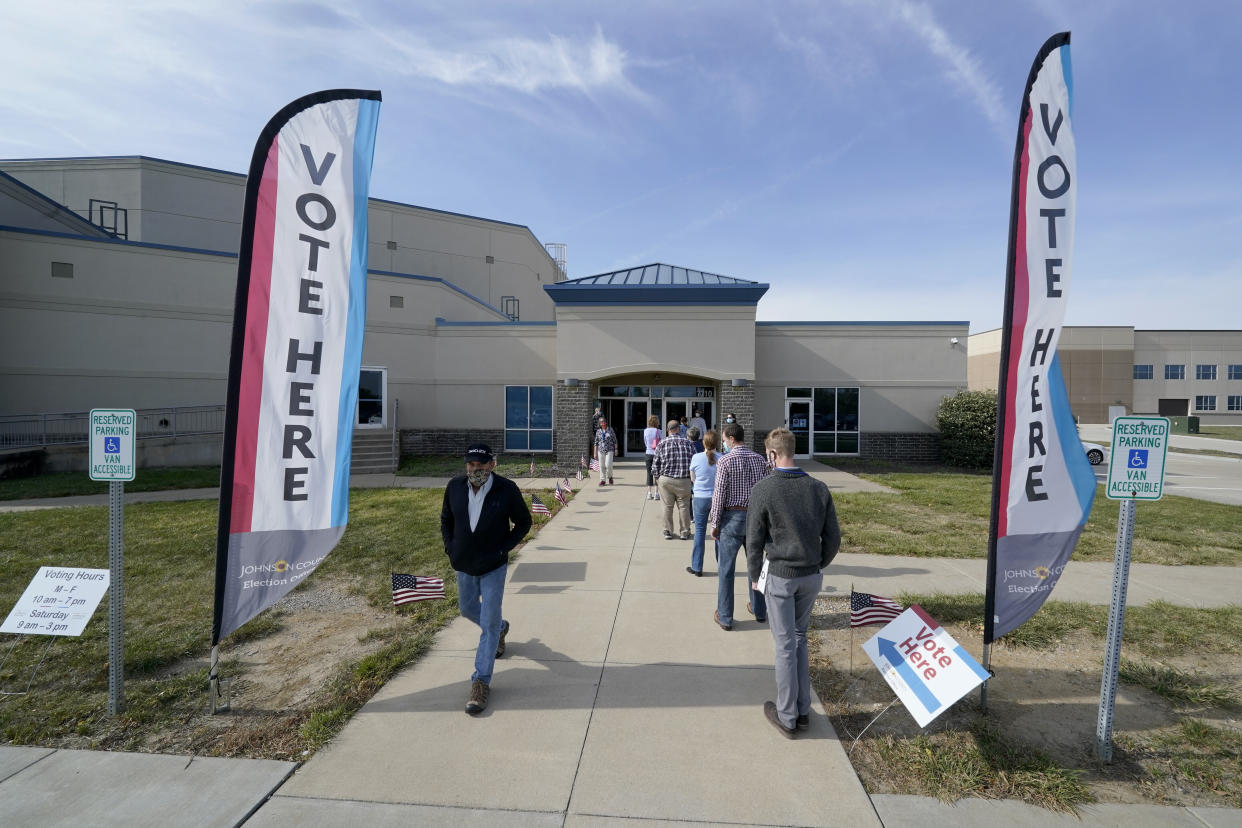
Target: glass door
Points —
{"points": [[635, 423], [372, 392], [674, 409], [798, 420]]}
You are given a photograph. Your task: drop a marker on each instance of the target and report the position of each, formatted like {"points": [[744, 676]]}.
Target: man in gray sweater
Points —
{"points": [[792, 523]]}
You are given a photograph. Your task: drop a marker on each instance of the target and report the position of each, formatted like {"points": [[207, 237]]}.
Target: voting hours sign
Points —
{"points": [[1136, 467], [925, 666], [112, 433]]}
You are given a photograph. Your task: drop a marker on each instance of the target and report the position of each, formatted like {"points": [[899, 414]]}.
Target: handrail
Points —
{"points": [[72, 427], [396, 430]]}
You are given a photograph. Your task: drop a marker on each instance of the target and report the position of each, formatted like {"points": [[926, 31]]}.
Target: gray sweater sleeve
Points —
{"points": [[830, 537]]}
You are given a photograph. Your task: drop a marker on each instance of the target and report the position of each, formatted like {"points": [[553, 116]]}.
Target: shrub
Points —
{"points": [[967, 423]]}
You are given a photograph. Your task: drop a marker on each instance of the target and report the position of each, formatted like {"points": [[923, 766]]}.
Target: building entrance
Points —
{"points": [[628, 408]]}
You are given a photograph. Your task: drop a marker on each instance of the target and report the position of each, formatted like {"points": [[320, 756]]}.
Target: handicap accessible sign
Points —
{"points": [[112, 432], [925, 666], [1136, 466]]}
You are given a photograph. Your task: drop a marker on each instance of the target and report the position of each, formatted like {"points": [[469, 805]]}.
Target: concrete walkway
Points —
{"points": [[618, 699]]}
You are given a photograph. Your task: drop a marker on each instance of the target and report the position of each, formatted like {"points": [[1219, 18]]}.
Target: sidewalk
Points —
{"points": [[618, 699]]}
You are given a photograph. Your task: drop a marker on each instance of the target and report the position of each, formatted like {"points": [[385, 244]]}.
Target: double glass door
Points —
{"points": [[798, 420]]}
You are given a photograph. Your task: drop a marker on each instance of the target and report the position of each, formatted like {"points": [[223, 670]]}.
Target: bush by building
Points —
{"points": [[967, 423]]}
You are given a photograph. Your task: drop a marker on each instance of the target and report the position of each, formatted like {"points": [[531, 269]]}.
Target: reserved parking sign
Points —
{"points": [[112, 432]]}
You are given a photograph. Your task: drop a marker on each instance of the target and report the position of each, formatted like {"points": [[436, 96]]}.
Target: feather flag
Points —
{"points": [[298, 321], [1042, 486]]}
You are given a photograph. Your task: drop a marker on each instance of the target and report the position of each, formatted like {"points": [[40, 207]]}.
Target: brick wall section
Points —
{"points": [[739, 401], [901, 446], [572, 433], [426, 441]]}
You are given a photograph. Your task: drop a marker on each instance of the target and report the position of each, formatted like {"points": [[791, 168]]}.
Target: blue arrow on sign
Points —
{"points": [[889, 650]]}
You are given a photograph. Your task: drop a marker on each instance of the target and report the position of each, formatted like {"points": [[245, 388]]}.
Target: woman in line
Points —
{"points": [[702, 482], [651, 437]]}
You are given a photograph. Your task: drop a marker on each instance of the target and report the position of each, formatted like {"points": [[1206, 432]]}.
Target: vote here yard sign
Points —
{"points": [[925, 666]]}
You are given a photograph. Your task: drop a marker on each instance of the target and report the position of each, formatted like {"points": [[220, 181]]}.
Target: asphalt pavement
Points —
{"points": [[1201, 476]]}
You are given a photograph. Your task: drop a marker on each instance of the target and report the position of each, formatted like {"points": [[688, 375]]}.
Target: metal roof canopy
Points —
{"points": [[657, 284]]}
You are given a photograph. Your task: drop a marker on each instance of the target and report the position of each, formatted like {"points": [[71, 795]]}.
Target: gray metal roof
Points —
{"points": [[657, 274]]}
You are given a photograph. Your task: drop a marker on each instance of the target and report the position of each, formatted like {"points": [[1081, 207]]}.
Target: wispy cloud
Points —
{"points": [[963, 69]]}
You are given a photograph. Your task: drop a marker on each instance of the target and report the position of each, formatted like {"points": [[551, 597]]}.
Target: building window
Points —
{"points": [[1144, 372], [1235, 402], [396, 301], [1175, 372], [1235, 372], [1205, 372], [833, 419], [528, 418], [1205, 402]]}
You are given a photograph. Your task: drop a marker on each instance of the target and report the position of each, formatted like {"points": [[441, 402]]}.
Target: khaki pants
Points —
{"points": [[676, 491]]}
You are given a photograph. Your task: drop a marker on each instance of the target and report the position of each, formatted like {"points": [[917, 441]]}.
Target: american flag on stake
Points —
{"points": [[408, 588], [560, 495], [538, 506], [866, 609], [566, 482], [594, 464], [532, 467], [579, 474]]}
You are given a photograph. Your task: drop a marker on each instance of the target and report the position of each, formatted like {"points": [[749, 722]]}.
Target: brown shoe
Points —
{"points": [[769, 710], [500, 645], [478, 698], [725, 627]]}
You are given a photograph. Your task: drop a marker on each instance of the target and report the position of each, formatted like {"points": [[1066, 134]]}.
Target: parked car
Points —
{"points": [[1095, 453]]}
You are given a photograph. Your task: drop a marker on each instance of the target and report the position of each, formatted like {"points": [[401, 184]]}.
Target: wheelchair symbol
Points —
{"points": [[112, 445], [1138, 458]]}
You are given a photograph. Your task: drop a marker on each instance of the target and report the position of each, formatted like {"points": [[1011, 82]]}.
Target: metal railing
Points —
{"points": [[396, 432], [67, 428]]}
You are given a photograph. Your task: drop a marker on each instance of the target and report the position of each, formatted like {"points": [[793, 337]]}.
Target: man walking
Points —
{"points": [[671, 468], [793, 523], [604, 450], [483, 517], [736, 474]]}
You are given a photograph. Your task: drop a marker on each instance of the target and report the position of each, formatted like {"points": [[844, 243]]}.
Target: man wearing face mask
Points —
{"points": [[483, 517], [793, 525]]}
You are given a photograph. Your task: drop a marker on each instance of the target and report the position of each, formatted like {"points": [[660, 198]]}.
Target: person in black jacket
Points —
{"points": [[484, 516]]}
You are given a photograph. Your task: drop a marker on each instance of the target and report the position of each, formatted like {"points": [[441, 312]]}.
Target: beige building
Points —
{"points": [[117, 280], [1120, 369]]}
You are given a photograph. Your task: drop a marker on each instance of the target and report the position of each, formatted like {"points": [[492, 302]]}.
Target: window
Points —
{"points": [[834, 418], [1175, 372], [528, 418], [1143, 372], [1235, 402], [1235, 372], [1205, 402], [1205, 372]]}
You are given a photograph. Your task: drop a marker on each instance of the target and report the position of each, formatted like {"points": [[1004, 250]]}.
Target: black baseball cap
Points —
{"points": [[479, 453]]}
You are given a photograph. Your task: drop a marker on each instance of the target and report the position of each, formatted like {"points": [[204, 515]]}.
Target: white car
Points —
{"points": [[1095, 453]]}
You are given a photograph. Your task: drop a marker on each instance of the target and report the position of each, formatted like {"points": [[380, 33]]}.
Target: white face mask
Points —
{"points": [[728, 419]]}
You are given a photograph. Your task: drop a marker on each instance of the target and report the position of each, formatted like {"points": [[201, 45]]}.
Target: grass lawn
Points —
{"points": [[169, 577], [1217, 432], [944, 514], [68, 484], [1186, 746]]}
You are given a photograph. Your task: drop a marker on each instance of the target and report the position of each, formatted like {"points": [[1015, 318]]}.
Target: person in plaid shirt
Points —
{"points": [[736, 474], [671, 468], [604, 450]]}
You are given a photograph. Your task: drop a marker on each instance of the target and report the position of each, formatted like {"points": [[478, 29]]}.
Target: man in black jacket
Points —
{"points": [[483, 517]]}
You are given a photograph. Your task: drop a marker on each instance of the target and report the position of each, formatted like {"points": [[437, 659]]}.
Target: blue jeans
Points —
{"points": [[791, 601], [732, 538], [478, 599], [702, 508]]}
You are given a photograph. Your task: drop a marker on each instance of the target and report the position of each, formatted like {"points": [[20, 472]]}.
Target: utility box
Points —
{"points": [[1192, 425]]}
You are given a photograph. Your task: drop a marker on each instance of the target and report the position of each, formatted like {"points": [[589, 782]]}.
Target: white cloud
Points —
{"points": [[963, 69]]}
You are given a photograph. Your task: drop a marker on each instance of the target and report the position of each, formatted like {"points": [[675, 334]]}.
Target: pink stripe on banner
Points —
{"points": [[250, 398], [1017, 329]]}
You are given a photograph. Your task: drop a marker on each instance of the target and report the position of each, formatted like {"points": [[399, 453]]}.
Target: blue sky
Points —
{"points": [[856, 155]]}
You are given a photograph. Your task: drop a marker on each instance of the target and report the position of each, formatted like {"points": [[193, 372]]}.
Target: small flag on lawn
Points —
{"points": [[538, 507], [566, 482], [582, 461], [561, 495], [867, 609], [532, 468], [579, 474], [594, 464], [407, 588]]}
